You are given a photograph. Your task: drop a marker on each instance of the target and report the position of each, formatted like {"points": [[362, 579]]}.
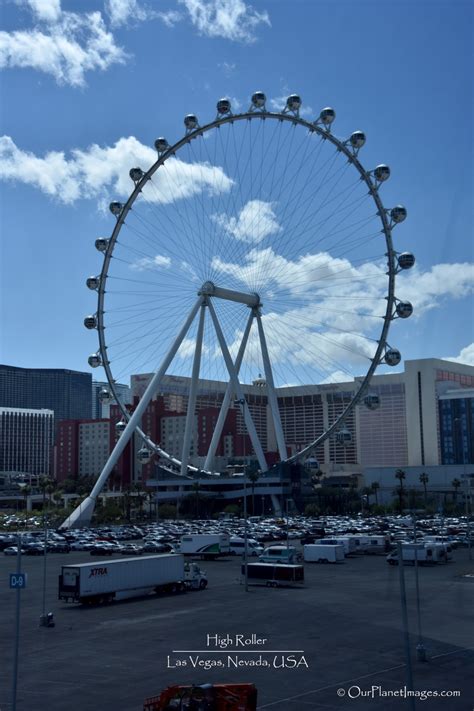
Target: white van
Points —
{"points": [[237, 547], [280, 554]]}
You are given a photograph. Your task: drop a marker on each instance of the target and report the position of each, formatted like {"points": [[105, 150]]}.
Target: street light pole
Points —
{"points": [[17, 624], [420, 647], [403, 599]]}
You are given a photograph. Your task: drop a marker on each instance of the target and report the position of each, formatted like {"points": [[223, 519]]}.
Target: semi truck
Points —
{"points": [[206, 545], [108, 580], [314, 553], [274, 574]]}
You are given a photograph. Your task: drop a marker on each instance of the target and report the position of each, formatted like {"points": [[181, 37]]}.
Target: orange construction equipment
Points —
{"points": [[207, 697]]}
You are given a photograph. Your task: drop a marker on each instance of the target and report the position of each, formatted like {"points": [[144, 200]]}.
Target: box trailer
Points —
{"points": [[206, 545], [273, 575], [361, 542], [423, 553], [350, 546], [108, 580], [314, 553]]}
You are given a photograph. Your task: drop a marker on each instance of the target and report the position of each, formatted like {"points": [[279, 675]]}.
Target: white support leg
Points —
{"points": [[272, 398], [81, 516], [237, 388], [209, 463], [189, 427]]}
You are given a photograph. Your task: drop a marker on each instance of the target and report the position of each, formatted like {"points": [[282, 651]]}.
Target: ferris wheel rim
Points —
{"points": [[352, 155]]}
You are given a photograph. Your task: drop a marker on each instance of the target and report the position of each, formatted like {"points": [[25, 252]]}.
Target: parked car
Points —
{"points": [[131, 549], [12, 550]]}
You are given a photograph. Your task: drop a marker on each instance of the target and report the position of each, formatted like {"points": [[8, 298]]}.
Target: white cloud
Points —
{"points": [[426, 290], [256, 221], [230, 19], [66, 44], [147, 263], [47, 10], [125, 12], [188, 347], [228, 68], [334, 307], [102, 171], [466, 356], [170, 17]]}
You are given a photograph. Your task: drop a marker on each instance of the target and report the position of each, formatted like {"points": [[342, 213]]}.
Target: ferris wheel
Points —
{"points": [[256, 248]]}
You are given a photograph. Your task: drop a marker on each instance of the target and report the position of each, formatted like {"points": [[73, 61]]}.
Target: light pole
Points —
{"points": [[246, 532], [241, 402], [17, 624], [420, 647], [468, 479], [403, 598]]}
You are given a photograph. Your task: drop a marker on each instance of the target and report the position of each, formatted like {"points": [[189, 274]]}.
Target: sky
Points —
{"points": [[88, 85]]}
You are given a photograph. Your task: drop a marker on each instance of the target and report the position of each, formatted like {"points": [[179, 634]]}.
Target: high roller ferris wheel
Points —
{"points": [[257, 243]]}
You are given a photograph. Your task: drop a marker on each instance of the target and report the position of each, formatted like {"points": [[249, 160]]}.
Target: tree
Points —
{"points": [[366, 493], [375, 486], [253, 477], [424, 479], [311, 510], [400, 475], [26, 491], [167, 511]]}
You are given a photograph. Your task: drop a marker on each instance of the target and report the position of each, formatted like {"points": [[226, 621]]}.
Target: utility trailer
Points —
{"points": [[314, 553], [206, 545], [108, 580], [274, 574]]}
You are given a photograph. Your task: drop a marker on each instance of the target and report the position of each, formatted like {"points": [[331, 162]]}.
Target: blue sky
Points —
{"points": [[80, 77]]}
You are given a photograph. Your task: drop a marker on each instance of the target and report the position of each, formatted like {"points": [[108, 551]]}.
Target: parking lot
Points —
{"points": [[344, 629]]}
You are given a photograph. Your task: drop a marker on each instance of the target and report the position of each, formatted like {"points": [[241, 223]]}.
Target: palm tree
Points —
{"points": [[375, 486], [253, 477], [424, 479], [400, 475], [26, 490], [366, 493], [138, 487]]}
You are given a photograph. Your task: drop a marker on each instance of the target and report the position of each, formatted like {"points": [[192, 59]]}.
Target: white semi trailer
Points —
{"points": [[206, 545], [108, 580]]}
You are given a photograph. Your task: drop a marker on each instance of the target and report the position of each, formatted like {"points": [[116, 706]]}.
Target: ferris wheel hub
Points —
{"points": [[210, 289]]}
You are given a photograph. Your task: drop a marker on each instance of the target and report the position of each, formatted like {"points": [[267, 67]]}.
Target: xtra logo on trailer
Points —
{"points": [[97, 571]]}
